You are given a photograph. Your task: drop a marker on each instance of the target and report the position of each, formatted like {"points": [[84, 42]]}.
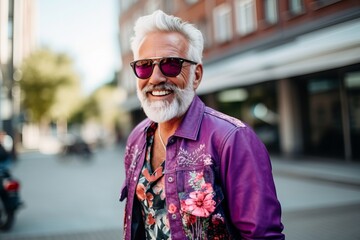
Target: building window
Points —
{"points": [[192, 1], [296, 7], [206, 31], [222, 23], [271, 11], [245, 16]]}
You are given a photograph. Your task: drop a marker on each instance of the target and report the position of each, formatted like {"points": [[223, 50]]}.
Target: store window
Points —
{"points": [[271, 11], [352, 85], [246, 20], [222, 23], [325, 135], [257, 106]]}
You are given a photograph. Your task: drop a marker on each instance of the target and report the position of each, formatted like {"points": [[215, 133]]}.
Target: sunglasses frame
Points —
{"points": [[160, 59]]}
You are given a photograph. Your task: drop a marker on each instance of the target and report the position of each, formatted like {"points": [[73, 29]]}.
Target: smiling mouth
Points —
{"points": [[159, 93]]}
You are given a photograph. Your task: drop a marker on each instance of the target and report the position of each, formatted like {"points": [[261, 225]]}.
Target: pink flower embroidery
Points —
{"points": [[206, 188], [199, 204], [199, 176], [172, 208]]}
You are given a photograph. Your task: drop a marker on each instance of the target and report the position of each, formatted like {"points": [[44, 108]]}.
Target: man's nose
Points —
{"points": [[157, 76]]}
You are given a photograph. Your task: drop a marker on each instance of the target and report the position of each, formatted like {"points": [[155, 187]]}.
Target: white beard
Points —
{"points": [[162, 111]]}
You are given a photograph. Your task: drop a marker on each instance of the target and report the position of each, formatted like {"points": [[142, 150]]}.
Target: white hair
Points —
{"points": [[159, 21]]}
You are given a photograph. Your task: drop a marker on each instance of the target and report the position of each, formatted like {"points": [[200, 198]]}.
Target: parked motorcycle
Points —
{"points": [[9, 199]]}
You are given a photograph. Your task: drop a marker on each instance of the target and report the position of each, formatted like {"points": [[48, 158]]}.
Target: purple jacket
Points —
{"points": [[229, 156]]}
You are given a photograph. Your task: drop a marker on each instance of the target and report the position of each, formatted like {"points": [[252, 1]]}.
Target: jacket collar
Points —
{"points": [[190, 125]]}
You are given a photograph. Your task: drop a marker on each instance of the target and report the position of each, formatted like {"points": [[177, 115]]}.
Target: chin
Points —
{"points": [[162, 113]]}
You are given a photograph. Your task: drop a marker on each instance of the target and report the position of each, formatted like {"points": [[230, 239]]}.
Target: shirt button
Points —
{"points": [[173, 216], [134, 178], [170, 179]]}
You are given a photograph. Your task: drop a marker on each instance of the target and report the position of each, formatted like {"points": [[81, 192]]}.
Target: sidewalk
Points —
{"points": [[318, 197], [321, 169]]}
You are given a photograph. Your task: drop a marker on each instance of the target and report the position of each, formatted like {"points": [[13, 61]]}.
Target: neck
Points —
{"points": [[168, 128]]}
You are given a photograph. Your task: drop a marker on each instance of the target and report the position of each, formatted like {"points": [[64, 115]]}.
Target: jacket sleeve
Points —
{"points": [[249, 187], [131, 151], [124, 187], [127, 163]]}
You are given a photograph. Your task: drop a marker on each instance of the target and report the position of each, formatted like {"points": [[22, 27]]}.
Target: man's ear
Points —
{"points": [[198, 75]]}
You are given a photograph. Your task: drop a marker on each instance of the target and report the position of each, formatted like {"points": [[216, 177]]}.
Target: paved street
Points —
{"points": [[73, 198]]}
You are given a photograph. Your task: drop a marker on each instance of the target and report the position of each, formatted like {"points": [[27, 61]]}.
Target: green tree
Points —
{"points": [[45, 74], [86, 110], [103, 109]]}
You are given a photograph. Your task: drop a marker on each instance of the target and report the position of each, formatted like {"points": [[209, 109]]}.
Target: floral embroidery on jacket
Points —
{"points": [[198, 210], [230, 119], [131, 153], [200, 202], [198, 156]]}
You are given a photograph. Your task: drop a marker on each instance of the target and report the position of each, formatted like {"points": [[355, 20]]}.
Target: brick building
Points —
{"points": [[289, 68]]}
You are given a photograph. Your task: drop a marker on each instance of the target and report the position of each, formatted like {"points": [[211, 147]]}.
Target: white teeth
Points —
{"points": [[160, 93]]}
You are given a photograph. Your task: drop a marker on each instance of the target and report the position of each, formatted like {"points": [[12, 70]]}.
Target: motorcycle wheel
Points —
{"points": [[7, 218]]}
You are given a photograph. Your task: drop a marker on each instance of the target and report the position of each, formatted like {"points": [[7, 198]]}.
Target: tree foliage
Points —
{"points": [[87, 109], [99, 106], [44, 74]]}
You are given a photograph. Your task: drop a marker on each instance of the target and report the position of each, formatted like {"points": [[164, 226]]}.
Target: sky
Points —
{"points": [[87, 30]]}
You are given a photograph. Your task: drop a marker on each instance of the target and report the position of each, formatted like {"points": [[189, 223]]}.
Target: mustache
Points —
{"points": [[162, 86]]}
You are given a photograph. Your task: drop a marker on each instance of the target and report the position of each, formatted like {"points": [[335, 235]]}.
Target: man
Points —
{"points": [[191, 172]]}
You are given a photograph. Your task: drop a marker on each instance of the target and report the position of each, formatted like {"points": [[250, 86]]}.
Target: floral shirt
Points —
{"points": [[150, 192]]}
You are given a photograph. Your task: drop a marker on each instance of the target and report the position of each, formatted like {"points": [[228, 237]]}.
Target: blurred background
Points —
{"points": [[289, 68]]}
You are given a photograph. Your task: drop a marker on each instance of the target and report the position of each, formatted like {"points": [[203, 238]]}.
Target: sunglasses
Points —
{"points": [[169, 66]]}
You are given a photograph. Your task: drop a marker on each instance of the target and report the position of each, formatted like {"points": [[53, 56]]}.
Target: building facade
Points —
{"points": [[289, 68], [17, 41]]}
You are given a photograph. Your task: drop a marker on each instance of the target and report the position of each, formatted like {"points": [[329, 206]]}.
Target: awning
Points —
{"points": [[324, 49]]}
